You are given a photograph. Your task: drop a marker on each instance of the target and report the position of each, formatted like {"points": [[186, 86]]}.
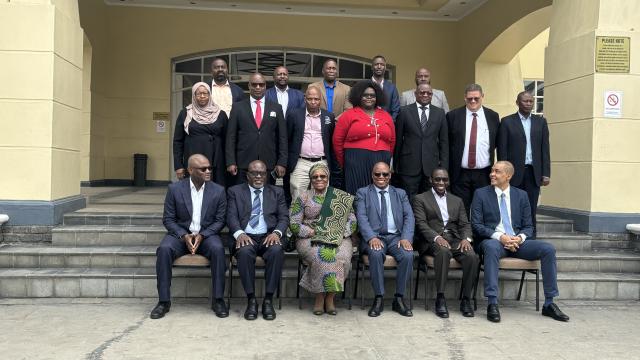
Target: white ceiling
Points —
{"points": [[439, 10]]}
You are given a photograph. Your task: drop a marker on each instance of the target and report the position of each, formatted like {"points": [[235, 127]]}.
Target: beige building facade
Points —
{"points": [[85, 83]]}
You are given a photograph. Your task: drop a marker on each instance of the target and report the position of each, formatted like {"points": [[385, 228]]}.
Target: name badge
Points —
{"points": [[272, 114], [327, 120]]}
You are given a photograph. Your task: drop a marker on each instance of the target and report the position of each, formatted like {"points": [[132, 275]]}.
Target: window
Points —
{"points": [[536, 87]]}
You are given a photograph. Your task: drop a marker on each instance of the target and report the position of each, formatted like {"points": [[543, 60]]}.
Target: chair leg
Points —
{"points": [[350, 286], [230, 283], [426, 287], [279, 290], [521, 283], [411, 287], [415, 292], [364, 268], [537, 290], [355, 288], [298, 285], [475, 289]]}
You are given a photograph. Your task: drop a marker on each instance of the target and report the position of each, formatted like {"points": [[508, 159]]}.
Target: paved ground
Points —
{"points": [[121, 329]]}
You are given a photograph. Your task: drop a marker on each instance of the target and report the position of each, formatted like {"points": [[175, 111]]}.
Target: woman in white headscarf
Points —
{"points": [[200, 130]]}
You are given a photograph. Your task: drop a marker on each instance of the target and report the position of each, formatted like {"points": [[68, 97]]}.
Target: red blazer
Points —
{"points": [[354, 130]]}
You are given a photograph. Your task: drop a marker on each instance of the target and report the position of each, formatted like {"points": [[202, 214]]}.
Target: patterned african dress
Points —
{"points": [[328, 264]]}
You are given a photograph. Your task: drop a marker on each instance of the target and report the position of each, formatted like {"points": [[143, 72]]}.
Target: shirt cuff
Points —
{"points": [[523, 236], [496, 235], [469, 239], [276, 231], [237, 233]]}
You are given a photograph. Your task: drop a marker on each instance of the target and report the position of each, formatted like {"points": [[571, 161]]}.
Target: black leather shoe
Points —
{"points": [[377, 307], [465, 308], [220, 308], [493, 313], [400, 307], [161, 309], [441, 308], [251, 313], [553, 311], [268, 313]]}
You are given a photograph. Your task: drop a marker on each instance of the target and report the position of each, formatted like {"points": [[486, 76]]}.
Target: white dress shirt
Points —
{"points": [[425, 110], [253, 106], [442, 204], [261, 228], [196, 202], [500, 228], [283, 98], [526, 124], [222, 96], [391, 224], [482, 140]]}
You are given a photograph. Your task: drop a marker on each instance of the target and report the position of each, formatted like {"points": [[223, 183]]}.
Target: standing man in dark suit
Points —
{"points": [[386, 224], [223, 92], [379, 68], [444, 232], [523, 140], [501, 217], [258, 218], [194, 214], [256, 131], [422, 141], [281, 93], [310, 133], [473, 130]]}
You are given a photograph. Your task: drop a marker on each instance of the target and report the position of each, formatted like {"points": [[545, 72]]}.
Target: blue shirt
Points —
{"points": [[329, 90], [526, 124], [391, 224]]}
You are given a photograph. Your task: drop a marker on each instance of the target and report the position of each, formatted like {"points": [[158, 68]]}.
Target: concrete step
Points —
{"points": [[599, 261], [129, 282], [101, 218], [576, 242]]}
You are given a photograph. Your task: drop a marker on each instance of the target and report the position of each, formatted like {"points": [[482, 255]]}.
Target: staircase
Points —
{"points": [[102, 254]]}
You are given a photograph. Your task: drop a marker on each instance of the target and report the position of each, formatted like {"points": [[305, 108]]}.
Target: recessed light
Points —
{"points": [[233, 5], [463, 3], [287, 8], [343, 10], [447, 15], [192, 2], [394, 12]]}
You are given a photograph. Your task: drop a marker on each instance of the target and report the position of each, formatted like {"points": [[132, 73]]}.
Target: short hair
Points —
{"points": [[313, 87], [219, 59], [473, 87], [378, 57], [278, 67], [355, 95], [507, 166], [327, 60], [381, 163], [522, 93], [439, 168]]}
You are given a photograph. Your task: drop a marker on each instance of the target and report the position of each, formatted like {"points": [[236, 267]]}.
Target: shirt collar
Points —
{"points": [[327, 85], [499, 192], [438, 195], [480, 111], [193, 186], [376, 81], [522, 117], [253, 100], [307, 114], [418, 105], [385, 189], [252, 189], [282, 91], [213, 84]]}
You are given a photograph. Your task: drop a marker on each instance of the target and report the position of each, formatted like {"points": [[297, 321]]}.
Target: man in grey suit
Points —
{"points": [[423, 76], [386, 224], [444, 232]]}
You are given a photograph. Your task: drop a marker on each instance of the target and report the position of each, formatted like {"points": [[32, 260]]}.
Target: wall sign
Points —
{"points": [[612, 54]]}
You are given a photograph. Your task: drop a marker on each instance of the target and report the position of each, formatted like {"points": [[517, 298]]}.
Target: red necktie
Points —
{"points": [[472, 141], [259, 114]]}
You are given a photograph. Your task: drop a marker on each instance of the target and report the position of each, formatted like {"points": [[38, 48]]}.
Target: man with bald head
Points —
{"points": [[423, 76], [194, 213], [281, 93], [501, 219], [310, 131], [256, 131]]}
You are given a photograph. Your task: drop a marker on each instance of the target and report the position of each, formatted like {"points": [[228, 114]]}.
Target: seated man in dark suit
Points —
{"points": [[258, 217], [445, 232], [194, 214], [386, 224], [498, 213]]}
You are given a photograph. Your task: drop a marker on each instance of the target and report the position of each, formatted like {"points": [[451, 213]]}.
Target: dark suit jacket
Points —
{"points": [[485, 212], [274, 208], [512, 146], [368, 212], [417, 151], [429, 223], [178, 209], [456, 122], [393, 99], [295, 130], [296, 98], [245, 142]]}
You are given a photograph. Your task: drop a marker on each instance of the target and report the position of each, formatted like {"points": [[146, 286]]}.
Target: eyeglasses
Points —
{"points": [[425, 93], [440, 179], [382, 174], [204, 168], [470, 99], [257, 173], [257, 84], [319, 177], [206, 94], [368, 96]]}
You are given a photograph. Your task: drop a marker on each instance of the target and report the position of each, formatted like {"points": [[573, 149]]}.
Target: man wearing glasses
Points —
{"points": [[258, 217], [386, 224], [194, 214], [256, 131], [444, 233], [473, 129]]}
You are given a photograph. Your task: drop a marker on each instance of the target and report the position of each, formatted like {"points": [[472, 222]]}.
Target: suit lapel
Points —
{"points": [[374, 199], [396, 207], [494, 202], [186, 196], [249, 112], [514, 200], [431, 201], [206, 201]]}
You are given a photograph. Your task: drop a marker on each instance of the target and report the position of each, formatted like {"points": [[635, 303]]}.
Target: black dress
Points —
{"points": [[205, 139]]}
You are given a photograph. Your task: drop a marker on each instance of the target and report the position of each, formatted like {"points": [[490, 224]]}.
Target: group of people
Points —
{"points": [[333, 146]]}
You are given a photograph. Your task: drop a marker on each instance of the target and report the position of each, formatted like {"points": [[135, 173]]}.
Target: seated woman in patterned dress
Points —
{"points": [[322, 219]]}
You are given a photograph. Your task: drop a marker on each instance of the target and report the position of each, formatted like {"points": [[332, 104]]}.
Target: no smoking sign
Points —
{"points": [[613, 104]]}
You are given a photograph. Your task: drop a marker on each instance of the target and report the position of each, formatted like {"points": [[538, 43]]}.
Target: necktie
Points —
{"points": [[258, 114], [472, 141], [256, 209], [423, 118], [504, 215], [383, 213]]}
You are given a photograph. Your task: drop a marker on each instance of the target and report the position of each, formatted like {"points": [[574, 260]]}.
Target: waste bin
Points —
{"points": [[140, 169]]}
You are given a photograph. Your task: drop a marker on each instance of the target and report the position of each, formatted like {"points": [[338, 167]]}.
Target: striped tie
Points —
{"points": [[256, 209]]}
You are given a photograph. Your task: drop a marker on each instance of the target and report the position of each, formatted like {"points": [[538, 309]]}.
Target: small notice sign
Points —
{"points": [[612, 54], [161, 116], [613, 104], [161, 126]]}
